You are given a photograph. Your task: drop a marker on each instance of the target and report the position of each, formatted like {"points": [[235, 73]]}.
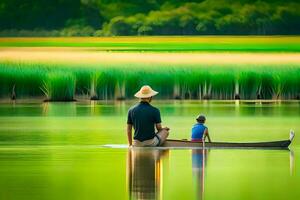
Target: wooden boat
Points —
{"points": [[188, 144]]}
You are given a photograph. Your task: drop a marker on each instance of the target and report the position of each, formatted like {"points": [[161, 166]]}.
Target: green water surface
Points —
{"points": [[54, 151]]}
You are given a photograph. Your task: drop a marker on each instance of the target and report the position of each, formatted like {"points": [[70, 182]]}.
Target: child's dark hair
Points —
{"points": [[201, 118]]}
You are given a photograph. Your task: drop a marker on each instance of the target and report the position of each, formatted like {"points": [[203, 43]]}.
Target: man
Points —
{"points": [[144, 118], [199, 130]]}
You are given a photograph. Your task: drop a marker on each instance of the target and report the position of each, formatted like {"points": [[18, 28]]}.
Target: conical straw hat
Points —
{"points": [[145, 92]]}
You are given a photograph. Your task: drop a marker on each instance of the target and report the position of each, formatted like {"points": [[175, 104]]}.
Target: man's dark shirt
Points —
{"points": [[143, 117]]}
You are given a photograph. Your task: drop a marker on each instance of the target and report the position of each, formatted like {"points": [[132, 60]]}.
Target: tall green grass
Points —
{"points": [[24, 82], [59, 86], [65, 83]]}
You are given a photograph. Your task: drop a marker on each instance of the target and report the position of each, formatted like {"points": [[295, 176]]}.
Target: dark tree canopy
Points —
{"points": [[30, 14], [149, 17]]}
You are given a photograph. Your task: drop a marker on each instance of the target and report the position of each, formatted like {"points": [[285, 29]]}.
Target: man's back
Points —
{"points": [[143, 117]]}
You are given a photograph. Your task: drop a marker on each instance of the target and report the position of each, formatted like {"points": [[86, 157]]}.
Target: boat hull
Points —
{"points": [[186, 143]]}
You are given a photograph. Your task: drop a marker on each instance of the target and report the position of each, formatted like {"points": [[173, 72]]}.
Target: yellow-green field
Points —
{"points": [[61, 55], [160, 43]]}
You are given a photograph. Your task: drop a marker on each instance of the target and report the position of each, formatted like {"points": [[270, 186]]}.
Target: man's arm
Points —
{"points": [[159, 127], [157, 121], [206, 134], [129, 134]]}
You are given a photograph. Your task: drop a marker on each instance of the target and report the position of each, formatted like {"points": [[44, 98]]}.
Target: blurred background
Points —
{"points": [[148, 17]]}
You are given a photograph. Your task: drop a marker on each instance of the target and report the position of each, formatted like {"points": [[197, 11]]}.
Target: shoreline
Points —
{"points": [[79, 100]]}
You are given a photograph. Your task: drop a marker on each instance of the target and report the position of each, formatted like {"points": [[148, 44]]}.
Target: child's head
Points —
{"points": [[201, 119]]}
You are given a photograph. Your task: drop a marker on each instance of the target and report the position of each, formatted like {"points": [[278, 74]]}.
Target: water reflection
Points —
{"points": [[144, 173], [148, 171], [59, 109], [292, 162], [199, 158]]}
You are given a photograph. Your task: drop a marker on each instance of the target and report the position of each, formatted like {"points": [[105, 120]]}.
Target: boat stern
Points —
{"points": [[292, 135]]}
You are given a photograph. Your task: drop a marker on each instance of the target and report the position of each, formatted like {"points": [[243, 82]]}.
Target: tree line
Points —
{"points": [[148, 17]]}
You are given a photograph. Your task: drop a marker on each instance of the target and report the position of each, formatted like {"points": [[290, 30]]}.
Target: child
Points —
{"points": [[199, 130]]}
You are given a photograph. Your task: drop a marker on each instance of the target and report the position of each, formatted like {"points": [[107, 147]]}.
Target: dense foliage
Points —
{"points": [[148, 17]]}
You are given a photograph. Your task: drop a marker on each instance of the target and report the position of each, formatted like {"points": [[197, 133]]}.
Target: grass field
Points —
{"points": [[60, 69]]}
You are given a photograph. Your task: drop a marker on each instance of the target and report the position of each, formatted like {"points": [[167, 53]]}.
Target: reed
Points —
{"points": [[59, 86], [19, 81], [120, 81]]}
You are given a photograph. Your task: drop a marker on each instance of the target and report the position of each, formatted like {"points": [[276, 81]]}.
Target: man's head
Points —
{"points": [[146, 99], [201, 119], [146, 93]]}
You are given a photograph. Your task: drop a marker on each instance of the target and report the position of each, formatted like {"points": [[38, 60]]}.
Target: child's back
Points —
{"points": [[198, 131]]}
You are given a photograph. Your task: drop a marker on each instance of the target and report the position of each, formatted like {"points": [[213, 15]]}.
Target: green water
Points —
{"points": [[53, 151]]}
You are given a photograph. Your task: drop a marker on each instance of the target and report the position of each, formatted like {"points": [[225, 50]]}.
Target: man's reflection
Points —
{"points": [[144, 173], [199, 157]]}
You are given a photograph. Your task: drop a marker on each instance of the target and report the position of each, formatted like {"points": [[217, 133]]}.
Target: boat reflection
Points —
{"points": [[199, 158], [292, 162], [144, 173]]}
